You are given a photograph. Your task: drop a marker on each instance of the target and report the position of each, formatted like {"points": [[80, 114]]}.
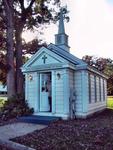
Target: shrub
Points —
{"points": [[15, 107]]}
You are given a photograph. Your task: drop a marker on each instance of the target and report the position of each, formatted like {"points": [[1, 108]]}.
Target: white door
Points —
{"points": [[45, 87]]}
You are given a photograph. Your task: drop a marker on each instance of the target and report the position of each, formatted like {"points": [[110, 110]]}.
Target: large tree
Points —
{"points": [[21, 15], [9, 21], [28, 15], [3, 66]]}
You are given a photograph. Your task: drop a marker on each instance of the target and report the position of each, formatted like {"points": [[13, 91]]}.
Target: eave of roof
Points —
{"points": [[63, 53]]}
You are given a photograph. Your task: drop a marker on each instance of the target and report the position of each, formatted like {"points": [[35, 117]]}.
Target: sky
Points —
{"points": [[90, 28]]}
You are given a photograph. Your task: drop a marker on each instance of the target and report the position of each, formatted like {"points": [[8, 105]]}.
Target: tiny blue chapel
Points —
{"points": [[59, 84]]}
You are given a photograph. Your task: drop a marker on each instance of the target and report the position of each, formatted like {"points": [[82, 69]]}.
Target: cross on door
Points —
{"points": [[44, 59]]}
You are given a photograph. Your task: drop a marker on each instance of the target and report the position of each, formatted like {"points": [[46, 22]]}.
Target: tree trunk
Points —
{"points": [[19, 62], [8, 5]]}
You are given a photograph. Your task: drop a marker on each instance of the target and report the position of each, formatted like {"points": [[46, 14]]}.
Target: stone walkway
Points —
{"points": [[18, 129]]}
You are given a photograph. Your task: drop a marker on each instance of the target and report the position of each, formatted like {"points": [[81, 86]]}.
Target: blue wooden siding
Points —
{"points": [[32, 90], [3, 88], [78, 92], [76, 80], [85, 94], [101, 88], [59, 92]]}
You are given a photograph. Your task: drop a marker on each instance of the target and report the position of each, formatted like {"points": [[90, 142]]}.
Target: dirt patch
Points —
{"points": [[95, 133]]}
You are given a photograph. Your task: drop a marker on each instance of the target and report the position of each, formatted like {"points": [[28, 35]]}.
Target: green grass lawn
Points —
{"points": [[2, 100], [110, 102]]}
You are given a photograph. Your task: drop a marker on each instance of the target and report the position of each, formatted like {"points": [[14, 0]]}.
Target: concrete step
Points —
{"points": [[38, 119]]}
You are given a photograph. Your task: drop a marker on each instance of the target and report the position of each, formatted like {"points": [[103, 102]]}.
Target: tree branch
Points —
{"points": [[31, 3], [22, 4], [16, 12]]}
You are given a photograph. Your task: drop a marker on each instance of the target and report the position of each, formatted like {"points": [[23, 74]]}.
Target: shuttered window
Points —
{"points": [[95, 83], [103, 90], [100, 88]]}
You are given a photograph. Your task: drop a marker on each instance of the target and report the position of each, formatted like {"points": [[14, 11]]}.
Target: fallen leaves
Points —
{"points": [[95, 133]]}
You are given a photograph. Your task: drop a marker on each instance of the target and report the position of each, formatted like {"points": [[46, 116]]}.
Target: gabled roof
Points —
{"points": [[58, 51], [32, 58], [65, 54], [55, 58]]}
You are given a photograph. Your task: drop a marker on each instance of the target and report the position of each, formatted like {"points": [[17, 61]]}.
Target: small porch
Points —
{"points": [[37, 119]]}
